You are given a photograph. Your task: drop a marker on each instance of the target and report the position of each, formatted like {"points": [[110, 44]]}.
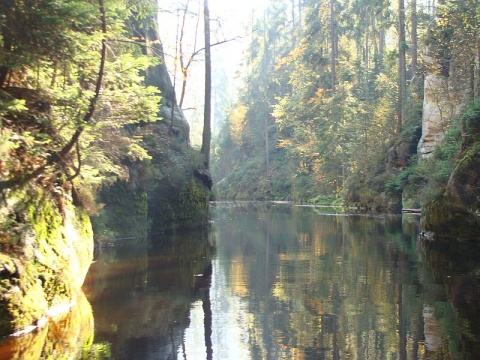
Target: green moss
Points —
{"points": [[125, 213], [22, 299], [469, 157], [447, 220], [54, 250], [45, 219], [192, 206]]}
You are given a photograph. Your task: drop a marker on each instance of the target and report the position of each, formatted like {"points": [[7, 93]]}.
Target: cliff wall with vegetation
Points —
{"points": [[166, 191], [46, 249], [89, 130]]}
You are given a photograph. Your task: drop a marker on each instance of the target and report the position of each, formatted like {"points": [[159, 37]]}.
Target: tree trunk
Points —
{"points": [[367, 56], [414, 24], [93, 101], [294, 31], [333, 55], [300, 18], [183, 68], [207, 131], [401, 65], [381, 34], [6, 9], [265, 97]]}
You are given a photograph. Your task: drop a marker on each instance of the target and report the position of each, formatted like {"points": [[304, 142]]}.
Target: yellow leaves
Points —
{"points": [[318, 99], [285, 143], [137, 38], [136, 152], [280, 112], [293, 56], [238, 121]]}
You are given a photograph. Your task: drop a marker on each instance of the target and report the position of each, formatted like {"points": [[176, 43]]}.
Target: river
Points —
{"points": [[272, 281]]}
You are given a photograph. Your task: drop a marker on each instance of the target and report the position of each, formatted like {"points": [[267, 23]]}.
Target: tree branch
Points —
{"points": [[212, 45], [93, 101]]}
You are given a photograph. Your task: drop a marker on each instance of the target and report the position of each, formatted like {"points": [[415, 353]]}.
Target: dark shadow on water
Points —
{"points": [[141, 292]]}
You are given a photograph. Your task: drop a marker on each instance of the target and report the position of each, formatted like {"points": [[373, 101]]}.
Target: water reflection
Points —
{"points": [[68, 336], [311, 286], [141, 293], [276, 282]]}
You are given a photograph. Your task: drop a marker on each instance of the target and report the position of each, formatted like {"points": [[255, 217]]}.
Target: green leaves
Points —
{"points": [[323, 86], [50, 54], [13, 106]]}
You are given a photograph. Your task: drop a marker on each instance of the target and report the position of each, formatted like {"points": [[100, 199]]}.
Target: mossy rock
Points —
{"points": [[445, 219], [455, 213], [22, 299], [125, 213], [179, 206], [46, 268]]}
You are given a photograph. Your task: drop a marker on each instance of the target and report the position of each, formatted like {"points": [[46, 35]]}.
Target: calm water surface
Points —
{"points": [[273, 282]]}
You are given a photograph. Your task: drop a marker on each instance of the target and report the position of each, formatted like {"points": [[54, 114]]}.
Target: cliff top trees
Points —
{"points": [[76, 69]]}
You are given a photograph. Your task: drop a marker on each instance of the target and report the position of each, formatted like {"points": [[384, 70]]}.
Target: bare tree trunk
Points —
{"points": [[367, 56], [265, 98], [294, 31], [333, 43], [5, 69], [207, 131], [381, 35], [414, 24], [300, 18], [6, 9], [401, 65], [183, 68], [476, 75]]}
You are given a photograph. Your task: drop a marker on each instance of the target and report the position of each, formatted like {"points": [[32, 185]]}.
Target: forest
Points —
{"points": [[365, 104], [93, 145]]}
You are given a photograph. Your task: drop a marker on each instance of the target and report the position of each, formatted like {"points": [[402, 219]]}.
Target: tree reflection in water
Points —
{"points": [[281, 282], [69, 335], [335, 286], [142, 291]]}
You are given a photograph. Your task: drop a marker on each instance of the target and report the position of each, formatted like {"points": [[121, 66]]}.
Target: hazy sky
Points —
{"points": [[229, 20]]}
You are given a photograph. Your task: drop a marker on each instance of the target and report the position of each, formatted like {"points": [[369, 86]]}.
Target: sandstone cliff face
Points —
{"points": [[444, 98], [158, 76], [177, 195], [453, 213], [175, 186]]}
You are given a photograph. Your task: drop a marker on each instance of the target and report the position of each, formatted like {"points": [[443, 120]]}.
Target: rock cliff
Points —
{"points": [[445, 94], [44, 256], [173, 187], [455, 213]]}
